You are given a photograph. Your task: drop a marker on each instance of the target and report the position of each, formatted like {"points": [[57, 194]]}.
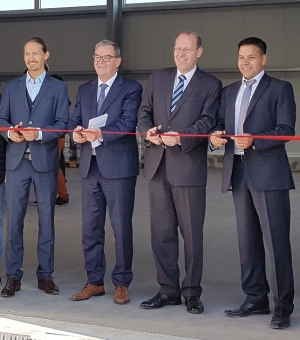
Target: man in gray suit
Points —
{"points": [[30, 103], [260, 176], [181, 100]]}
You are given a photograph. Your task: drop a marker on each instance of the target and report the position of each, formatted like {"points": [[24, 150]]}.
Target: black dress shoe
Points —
{"points": [[160, 300], [194, 305], [280, 319], [247, 309], [11, 287], [47, 284]]}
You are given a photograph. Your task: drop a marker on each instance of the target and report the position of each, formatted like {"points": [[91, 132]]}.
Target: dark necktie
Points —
{"points": [[178, 92], [101, 97], [244, 104]]}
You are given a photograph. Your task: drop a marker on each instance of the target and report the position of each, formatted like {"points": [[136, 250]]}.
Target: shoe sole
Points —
{"points": [[16, 291], [98, 294], [260, 312], [61, 205], [167, 304], [122, 302], [195, 311], [50, 293], [279, 327]]}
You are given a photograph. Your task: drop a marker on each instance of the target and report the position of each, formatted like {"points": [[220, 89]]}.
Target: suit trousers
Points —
{"points": [[263, 215], [18, 184], [172, 206], [118, 195]]}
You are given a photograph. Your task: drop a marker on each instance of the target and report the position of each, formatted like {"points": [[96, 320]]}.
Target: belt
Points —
{"points": [[240, 158], [27, 156]]}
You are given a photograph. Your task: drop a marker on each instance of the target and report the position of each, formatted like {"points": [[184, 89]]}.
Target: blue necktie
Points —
{"points": [[178, 92], [101, 97], [244, 104]]}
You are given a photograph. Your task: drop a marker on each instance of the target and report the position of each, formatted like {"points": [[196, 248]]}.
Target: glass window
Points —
{"points": [[70, 3], [16, 4]]}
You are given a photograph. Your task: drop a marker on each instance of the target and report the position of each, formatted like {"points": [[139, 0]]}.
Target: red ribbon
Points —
{"points": [[287, 138]]}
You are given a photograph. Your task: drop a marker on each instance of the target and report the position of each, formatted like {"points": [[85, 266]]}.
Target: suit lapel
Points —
{"points": [[261, 87], [112, 93], [93, 98], [230, 129], [43, 90], [192, 85], [22, 88]]}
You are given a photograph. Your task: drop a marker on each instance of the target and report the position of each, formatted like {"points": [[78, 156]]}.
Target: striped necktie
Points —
{"points": [[101, 97], [178, 92]]}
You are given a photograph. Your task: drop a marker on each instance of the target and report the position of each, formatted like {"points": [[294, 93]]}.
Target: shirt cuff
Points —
{"points": [[40, 135]]}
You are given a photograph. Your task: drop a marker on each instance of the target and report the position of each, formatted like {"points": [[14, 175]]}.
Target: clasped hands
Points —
{"points": [[154, 137], [81, 135], [216, 139], [29, 134]]}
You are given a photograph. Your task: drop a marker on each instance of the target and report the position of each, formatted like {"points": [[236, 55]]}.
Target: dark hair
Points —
{"points": [[197, 36], [107, 42], [254, 41], [40, 41], [57, 76]]}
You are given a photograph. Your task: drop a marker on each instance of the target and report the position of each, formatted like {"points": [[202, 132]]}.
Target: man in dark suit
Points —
{"points": [[32, 102], [178, 100], [108, 168], [259, 173]]}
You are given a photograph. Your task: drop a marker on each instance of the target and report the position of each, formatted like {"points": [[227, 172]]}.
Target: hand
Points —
{"points": [[78, 136], [243, 142], [16, 136], [92, 134], [30, 133], [171, 140], [216, 140], [152, 135]]}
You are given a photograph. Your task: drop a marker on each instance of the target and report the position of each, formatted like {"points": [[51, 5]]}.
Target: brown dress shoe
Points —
{"points": [[87, 292], [11, 287], [121, 295], [47, 285]]}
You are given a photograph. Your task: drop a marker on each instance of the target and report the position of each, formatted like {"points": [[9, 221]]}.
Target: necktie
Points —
{"points": [[101, 97], [178, 92], [245, 104]]}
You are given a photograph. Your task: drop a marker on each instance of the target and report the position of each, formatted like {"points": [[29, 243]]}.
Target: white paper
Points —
{"points": [[97, 122]]}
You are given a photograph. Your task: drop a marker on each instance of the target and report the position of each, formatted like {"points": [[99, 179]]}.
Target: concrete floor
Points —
{"points": [[100, 317]]}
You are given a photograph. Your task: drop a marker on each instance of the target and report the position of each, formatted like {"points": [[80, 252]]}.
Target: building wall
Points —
{"points": [[148, 39]]}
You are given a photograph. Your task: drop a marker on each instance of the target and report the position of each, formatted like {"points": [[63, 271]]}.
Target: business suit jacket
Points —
{"points": [[271, 111], [195, 113], [121, 105], [50, 111]]}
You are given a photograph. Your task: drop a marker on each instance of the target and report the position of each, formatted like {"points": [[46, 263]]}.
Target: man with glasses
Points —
{"points": [[105, 112], [181, 100]]}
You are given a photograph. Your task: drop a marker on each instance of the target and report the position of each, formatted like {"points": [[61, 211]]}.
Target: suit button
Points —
{"points": [[169, 126], [30, 123]]}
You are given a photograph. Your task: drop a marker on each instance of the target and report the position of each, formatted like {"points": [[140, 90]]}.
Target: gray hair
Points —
{"points": [[107, 42], [197, 36]]}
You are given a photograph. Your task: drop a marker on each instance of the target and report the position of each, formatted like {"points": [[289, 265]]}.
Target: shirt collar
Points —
{"points": [[109, 82], [257, 77], [39, 79], [188, 75]]}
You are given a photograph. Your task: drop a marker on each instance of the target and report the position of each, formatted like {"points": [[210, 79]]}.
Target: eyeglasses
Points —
{"points": [[183, 50], [105, 58]]}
